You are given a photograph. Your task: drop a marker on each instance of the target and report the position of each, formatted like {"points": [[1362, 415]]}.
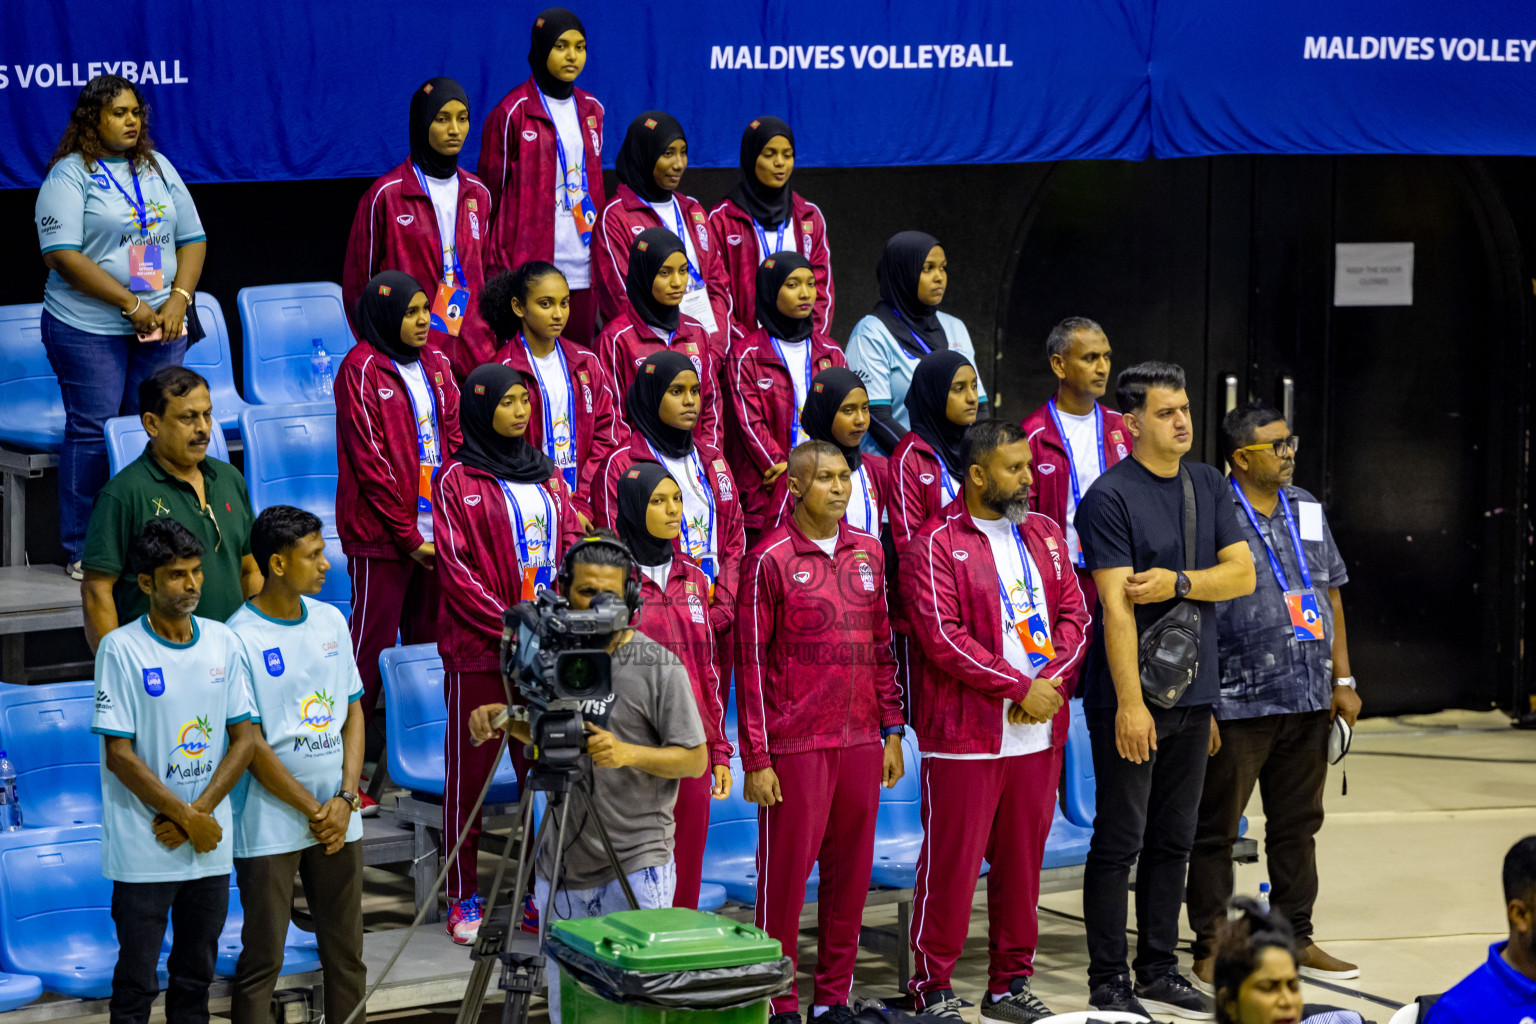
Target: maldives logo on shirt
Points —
{"points": [[274, 660], [1019, 596], [697, 531], [154, 681], [534, 531], [317, 711], [194, 739]]}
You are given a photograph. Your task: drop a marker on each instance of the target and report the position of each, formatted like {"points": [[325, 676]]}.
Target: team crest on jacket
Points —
{"points": [[1047, 468], [471, 499], [474, 223], [597, 140], [637, 229], [764, 383], [274, 660], [723, 484], [926, 478], [961, 555], [405, 220], [695, 608], [529, 136], [1120, 450], [732, 239], [805, 241], [586, 394], [386, 393], [867, 577], [703, 233], [801, 577]]}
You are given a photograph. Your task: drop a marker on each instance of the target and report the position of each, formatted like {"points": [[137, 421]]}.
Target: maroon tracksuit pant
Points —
{"points": [[390, 597], [468, 768], [997, 808], [692, 816], [828, 813]]}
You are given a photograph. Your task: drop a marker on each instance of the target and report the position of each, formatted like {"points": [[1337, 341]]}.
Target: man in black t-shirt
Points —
{"points": [[1149, 762]]}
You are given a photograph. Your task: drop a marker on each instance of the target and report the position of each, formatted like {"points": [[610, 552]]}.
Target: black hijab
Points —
{"points": [[380, 312], [648, 137], [509, 458], [901, 264], [829, 389], [927, 402], [770, 207], [649, 250], [548, 27], [433, 96], [636, 486], [642, 403], [771, 275]]}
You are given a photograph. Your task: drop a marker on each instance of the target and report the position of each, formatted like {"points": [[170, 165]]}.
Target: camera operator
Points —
{"points": [[644, 739]]}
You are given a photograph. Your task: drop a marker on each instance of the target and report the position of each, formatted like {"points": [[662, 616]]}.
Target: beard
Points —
{"points": [[1013, 507], [186, 604]]}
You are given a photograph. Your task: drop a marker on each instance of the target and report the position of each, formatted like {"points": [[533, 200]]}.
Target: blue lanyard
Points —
{"points": [[570, 396], [421, 437], [1290, 523], [677, 211], [762, 238], [778, 346], [870, 526], [141, 210], [453, 268], [709, 503], [523, 555], [1098, 447], [565, 181], [1029, 581], [915, 336], [944, 484]]}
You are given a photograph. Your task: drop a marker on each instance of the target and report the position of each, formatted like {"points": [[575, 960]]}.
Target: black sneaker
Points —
{"points": [[1115, 996], [1172, 993], [941, 1004], [1019, 1006], [792, 1017]]}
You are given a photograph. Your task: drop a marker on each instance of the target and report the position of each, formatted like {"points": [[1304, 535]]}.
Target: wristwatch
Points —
{"points": [[893, 730], [1181, 585], [353, 800], [1348, 681]]}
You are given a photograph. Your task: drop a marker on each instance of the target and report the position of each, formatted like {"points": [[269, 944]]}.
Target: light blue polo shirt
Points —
{"points": [[175, 701], [303, 682], [886, 367], [79, 208]]}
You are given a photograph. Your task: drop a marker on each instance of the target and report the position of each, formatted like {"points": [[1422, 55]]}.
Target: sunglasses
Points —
{"points": [[1283, 447]]}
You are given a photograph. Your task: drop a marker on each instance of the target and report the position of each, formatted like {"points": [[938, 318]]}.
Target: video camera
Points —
{"points": [[557, 658]]}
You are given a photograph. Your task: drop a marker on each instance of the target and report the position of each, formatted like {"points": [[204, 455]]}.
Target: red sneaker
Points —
{"points": [[370, 808]]}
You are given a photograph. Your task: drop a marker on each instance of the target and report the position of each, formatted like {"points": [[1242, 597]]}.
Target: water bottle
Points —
{"points": [[1264, 896], [322, 379], [10, 804]]}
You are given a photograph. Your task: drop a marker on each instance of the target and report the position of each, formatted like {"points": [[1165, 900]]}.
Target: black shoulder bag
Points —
{"points": [[1168, 653]]}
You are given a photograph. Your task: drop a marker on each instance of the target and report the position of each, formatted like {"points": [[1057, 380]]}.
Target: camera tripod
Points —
{"points": [[523, 973]]}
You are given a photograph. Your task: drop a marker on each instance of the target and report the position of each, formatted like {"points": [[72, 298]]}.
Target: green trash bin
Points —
{"points": [[671, 966]]}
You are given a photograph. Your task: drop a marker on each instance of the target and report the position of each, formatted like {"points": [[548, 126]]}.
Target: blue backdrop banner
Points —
{"points": [[283, 89]]}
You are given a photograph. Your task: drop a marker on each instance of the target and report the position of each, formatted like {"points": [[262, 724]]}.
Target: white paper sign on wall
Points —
{"points": [[1373, 274]]}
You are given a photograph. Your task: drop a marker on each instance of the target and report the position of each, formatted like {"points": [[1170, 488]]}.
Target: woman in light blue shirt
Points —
{"points": [[904, 326], [124, 248]]}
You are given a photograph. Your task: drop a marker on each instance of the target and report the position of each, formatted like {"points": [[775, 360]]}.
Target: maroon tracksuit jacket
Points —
{"points": [[731, 540], [518, 165], [626, 341], [378, 462], [917, 487], [736, 239], [997, 808], [396, 229], [762, 417], [625, 216], [1052, 489], [598, 427]]}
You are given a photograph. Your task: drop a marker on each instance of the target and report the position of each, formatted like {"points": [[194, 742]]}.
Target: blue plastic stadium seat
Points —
{"points": [[290, 459], [280, 323], [56, 910], [126, 439], [32, 414], [711, 897], [730, 710], [416, 719], [212, 358], [18, 990], [46, 731], [300, 950], [1067, 844], [899, 825], [1080, 787], [730, 849]]}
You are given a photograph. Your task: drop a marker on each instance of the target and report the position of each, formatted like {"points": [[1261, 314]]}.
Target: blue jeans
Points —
{"points": [[99, 376]]}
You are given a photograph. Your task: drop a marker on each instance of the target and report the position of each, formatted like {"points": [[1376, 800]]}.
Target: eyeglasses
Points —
{"points": [[1283, 447]]}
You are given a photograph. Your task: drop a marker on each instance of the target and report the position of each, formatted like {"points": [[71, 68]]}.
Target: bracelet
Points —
{"points": [[184, 294], [137, 302]]}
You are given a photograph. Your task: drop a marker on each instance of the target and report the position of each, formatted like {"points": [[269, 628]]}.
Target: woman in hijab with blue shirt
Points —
{"points": [[124, 247], [904, 326]]}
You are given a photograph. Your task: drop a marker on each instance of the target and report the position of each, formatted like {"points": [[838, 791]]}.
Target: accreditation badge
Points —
{"points": [[1306, 621], [449, 307], [535, 579], [586, 218], [707, 563], [424, 489], [146, 272]]}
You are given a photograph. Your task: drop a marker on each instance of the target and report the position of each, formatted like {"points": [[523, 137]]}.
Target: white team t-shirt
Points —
{"points": [[1002, 536], [303, 683], [797, 360], [176, 702], [698, 501], [863, 511], [444, 193], [829, 545], [560, 443], [573, 258], [529, 506], [1082, 441], [422, 405]]}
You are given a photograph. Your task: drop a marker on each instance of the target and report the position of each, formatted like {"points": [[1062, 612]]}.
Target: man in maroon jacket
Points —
{"points": [[1072, 438], [817, 694], [995, 609]]}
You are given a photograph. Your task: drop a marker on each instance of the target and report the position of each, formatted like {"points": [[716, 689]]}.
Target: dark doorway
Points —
{"points": [[1413, 417]]}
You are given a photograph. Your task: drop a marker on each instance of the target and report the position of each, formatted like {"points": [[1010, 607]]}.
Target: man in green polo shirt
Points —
{"points": [[175, 479]]}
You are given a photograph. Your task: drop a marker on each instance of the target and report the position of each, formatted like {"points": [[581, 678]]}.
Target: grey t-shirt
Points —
{"points": [[653, 706]]}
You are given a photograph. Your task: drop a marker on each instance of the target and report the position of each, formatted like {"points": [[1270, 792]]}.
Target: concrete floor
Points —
{"points": [[1409, 862]]}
